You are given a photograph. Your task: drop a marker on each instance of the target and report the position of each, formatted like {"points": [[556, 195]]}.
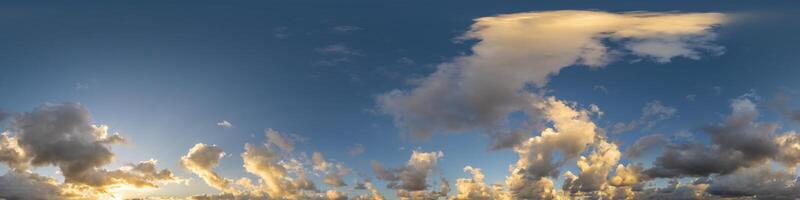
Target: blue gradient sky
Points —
{"points": [[164, 73]]}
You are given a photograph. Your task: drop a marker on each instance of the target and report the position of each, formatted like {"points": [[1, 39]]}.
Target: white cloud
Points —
{"points": [[225, 124]]}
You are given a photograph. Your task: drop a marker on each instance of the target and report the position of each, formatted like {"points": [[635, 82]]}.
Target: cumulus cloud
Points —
{"points": [[201, 160], [738, 142], [264, 162], [480, 89], [476, 188], [572, 131], [26, 185], [414, 175], [225, 124], [595, 170], [281, 173], [411, 180], [788, 149], [334, 173], [627, 176], [652, 113], [62, 135], [11, 153], [761, 182]]}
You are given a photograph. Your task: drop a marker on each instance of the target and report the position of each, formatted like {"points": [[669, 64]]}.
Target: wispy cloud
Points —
{"points": [[225, 124], [345, 28]]}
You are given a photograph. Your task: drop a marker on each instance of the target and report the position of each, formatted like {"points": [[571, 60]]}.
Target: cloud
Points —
{"points": [[334, 173], [335, 195], [26, 185], [264, 163], [225, 124], [61, 135], [406, 61], [282, 173], [201, 160], [644, 144], [652, 113], [3, 115], [717, 90], [344, 29], [479, 90], [761, 182], [11, 153], [595, 169], [444, 189], [475, 188], [374, 193], [600, 88], [738, 142], [413, 176], [355, 150], [676, 190], [788, 149], [627, 176], [781, 104], [280, 32], [572, 131], [336, 49], [691, 97], [285, 142]]}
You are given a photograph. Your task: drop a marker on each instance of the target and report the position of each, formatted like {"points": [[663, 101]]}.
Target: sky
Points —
{"points": [[393, 99]]}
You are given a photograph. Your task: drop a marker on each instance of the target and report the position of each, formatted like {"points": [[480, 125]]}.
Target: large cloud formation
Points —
{"points": [[738, 142], [62, 135], [744, 158], [513, 51], [506, 71]]}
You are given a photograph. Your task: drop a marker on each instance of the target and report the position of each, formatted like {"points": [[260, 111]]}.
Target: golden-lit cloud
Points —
{"points": [[480, 89], [743, 158], [201, 160], [62, 136]]}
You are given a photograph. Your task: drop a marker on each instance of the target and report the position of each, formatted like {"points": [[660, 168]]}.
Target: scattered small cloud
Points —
{"points": [[281, 32], [652, 113], [333, 61], [406, 61], [344, 29], [355, 150], [600, 88], [225, 124], [80, 86], [691, 97], [336, 49], [336, 54], [717, 90], [644, 144]]}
